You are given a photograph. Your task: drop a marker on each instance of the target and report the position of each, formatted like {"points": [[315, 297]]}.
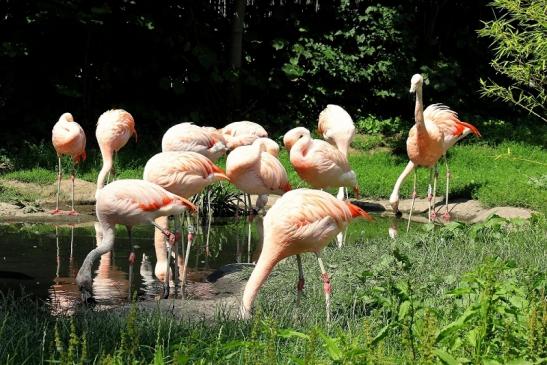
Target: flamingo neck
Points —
{"points": [[419, 109], [262, 270], [107, 243], [302, 146], [107, 166]]}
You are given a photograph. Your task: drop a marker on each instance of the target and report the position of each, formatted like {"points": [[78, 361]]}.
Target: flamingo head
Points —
{"points": [[67, 117], [292, 136], [267, 145], [416, 82]]}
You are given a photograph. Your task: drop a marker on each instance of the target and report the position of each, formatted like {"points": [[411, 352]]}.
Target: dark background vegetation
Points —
{"points": [[172, 61]]}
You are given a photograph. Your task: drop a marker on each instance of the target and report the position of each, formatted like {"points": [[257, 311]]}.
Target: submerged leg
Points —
{"points": [[413, 201], [56, 210], [171, 240], [131, 260], [446, 214], [300, 284], [326, 284], [186, 256]]}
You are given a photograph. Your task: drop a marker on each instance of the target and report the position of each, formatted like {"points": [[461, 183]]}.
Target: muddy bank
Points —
{"points": [[470, 211]]}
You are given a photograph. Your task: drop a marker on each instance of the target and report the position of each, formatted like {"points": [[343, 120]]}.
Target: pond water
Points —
{"points": [[43, 259]]}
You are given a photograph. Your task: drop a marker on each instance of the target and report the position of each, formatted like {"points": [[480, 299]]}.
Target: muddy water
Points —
{"points": [[42, 260]]}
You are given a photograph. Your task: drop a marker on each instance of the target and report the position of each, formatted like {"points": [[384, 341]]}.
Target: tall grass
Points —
{"points": [[460, 294]]}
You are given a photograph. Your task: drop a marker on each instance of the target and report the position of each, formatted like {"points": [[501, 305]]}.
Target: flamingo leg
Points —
{"points": [[249, 221], [413, 201], [72, 177], [446, 214], [300, 284], [429, 194], [171, 240], [59, 174], [326, 284], [176, 271], [186, 257], [131, 260], [209, 218], [435, 177]]}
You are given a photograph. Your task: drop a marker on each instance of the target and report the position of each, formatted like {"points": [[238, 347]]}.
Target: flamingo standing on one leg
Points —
{"points": [[337, 128], [68, 138], [302, 220], [190, 137], [184, 174], [242, 133], [435, 130], [114, 128], [128, 202]]}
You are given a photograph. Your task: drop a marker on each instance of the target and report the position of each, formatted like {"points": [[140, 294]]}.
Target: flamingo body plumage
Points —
{"points": [[190, 137], [68, 138], [318, 162], [242, 133], [336, 127]]}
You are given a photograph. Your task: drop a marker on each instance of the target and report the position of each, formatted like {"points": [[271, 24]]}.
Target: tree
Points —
{"points": [[520, 45]]}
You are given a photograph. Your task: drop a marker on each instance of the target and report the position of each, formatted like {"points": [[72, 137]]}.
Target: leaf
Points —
{"points": [[383, 333], [456, 325], [278, 44], [288, 333], [331, 345], [445, 357], [519, 362], [403, 309]]}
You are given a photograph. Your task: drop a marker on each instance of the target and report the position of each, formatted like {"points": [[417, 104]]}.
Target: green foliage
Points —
{"points": [[364, 47], [519, 39]]}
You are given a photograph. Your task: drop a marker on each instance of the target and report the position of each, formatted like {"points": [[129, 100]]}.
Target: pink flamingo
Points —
{"points": [[114, 128], [255, 171], [128, 202], [337, 128], [302, 220], [190, 137], [319, 163], [242, 133], [185, 174], [68, 138], [437, 128]]}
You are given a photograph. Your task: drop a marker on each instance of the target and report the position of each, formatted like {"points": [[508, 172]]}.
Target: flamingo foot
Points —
{"points": [[446, 216], [433, 215], [55, 212], [132, 258], [73, 213], [326, 283]]}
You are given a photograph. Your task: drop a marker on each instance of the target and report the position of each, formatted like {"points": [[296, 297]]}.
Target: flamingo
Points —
{"points": [[190, 137], [183, 173], [254, 171], [436, 129], [128, 202], [114, 128], [317, 162], [68, 138], [302, 220], [242, 133], [337, 128]]}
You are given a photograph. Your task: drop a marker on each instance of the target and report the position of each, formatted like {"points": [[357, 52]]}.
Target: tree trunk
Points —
{"points": [[236, 52]]}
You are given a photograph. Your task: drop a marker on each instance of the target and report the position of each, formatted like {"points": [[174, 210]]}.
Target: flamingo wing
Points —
{"points": [[448, 123], [273, 174]]}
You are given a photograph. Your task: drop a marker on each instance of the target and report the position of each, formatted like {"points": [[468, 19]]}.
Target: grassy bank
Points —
{"points": [[454, 295], [509, 173]]}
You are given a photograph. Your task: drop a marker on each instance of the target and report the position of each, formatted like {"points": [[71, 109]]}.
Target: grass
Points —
{"points": [[457, 294]]}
